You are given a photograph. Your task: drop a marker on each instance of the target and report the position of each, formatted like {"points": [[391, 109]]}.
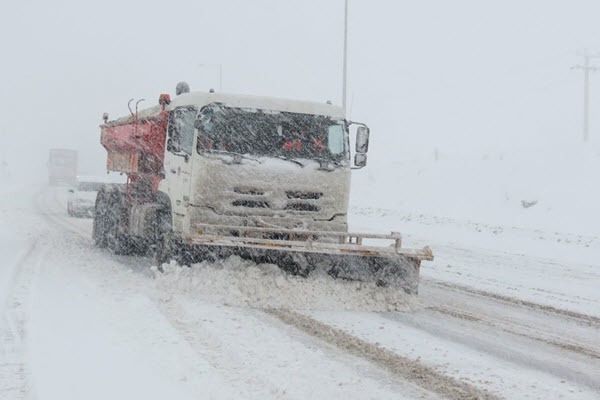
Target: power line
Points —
{"points": [[587, 68]]}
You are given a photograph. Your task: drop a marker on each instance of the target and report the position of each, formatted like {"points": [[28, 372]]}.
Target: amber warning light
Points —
{"points": [[164, 100]]}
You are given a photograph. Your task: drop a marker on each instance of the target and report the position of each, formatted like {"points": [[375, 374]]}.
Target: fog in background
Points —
{"points": [[460, 76]]}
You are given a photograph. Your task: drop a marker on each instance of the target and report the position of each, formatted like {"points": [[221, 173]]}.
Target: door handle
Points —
{"points": [[173, 171]]}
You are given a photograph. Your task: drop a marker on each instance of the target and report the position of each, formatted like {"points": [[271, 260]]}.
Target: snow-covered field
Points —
{"points": [[509, 308]]}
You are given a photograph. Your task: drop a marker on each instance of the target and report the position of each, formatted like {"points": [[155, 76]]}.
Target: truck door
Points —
{"points": [[178, 157]]}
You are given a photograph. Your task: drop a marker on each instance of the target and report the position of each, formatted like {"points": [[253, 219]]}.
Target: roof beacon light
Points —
{"points": [[164, 100], [181, 88]]}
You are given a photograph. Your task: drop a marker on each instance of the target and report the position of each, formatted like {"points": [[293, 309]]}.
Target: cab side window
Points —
{"points": [[181, 130]]}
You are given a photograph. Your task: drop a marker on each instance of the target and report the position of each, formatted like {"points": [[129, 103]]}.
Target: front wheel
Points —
{"points": [[165, 250]]}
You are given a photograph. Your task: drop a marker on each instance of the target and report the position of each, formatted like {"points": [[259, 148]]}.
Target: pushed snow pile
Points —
{"points": [[242, 283]]}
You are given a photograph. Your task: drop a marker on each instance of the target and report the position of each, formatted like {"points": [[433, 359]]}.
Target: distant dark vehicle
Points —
{"points": [[62, 167]]}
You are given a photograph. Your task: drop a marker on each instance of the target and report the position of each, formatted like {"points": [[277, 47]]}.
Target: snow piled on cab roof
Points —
{"points": [[201, 99]]}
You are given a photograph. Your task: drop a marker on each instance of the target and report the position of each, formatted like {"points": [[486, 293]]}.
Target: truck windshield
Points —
{"points": [[272, 134], [61, 161]]}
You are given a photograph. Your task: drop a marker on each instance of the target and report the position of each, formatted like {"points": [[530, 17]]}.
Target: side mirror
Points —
{"points": [[362, 140], [360, 160]]}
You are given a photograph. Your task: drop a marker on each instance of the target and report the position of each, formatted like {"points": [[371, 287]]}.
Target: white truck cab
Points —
{"points": [[256, 161]]}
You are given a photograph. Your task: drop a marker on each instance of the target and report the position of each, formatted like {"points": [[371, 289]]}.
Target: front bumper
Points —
{"points": [[197, 217], [341, 254]]}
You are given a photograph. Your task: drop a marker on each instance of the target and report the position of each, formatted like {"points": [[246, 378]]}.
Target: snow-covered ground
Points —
{"points": [[469, 210], [509, 308]]}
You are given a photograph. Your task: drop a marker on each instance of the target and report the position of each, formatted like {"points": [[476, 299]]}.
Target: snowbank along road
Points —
{"points": [[78, 322]]}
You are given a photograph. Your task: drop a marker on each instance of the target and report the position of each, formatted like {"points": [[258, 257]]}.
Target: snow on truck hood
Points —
{"points": [[274, 186]]}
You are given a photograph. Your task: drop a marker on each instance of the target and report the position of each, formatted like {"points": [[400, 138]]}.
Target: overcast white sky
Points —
{"points": [[462, 74]]}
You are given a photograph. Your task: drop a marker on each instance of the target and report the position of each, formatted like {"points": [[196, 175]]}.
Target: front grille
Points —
{"points": [[250, 203], [302, 207], [266, 200], [303, 195]]}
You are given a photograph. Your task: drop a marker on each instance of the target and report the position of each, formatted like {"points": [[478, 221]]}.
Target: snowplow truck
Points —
{"points": [[212, 175]]}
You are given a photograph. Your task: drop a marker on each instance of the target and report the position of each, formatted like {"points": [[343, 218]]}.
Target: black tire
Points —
{"points": [[166, 247], [118, 241], [161, 253], [99, 231], [169, 248], [120, 244]]}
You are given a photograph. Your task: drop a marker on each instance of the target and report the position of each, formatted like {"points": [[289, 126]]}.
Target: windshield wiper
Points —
{"points": [[325, 164], [323, 159], [233, 154], [290, 160]]}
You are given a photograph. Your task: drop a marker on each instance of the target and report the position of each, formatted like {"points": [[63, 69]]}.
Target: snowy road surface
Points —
{"points": [[80, 323]]}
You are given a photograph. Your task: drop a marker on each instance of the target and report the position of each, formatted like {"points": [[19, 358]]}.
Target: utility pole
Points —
{"points": [[345, 54], [587, 68]]}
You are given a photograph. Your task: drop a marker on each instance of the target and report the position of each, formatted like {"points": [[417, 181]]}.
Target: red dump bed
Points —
{"points": [[136, 145]]}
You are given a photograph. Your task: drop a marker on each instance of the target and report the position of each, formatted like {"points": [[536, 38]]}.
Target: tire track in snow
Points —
{"points": [[51, 214], [399, 366], [504, 346], [206, 348], [403, 368], [260, 369], [208, 351], [580, 318], [15, 381], [506, 327]]}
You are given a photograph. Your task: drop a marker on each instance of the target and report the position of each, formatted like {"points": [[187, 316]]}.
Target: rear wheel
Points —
{"points": [[99, 231], [118, 241]]}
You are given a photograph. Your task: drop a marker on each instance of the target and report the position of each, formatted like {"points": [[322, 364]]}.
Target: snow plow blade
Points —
{"points": [[343, 255]]}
